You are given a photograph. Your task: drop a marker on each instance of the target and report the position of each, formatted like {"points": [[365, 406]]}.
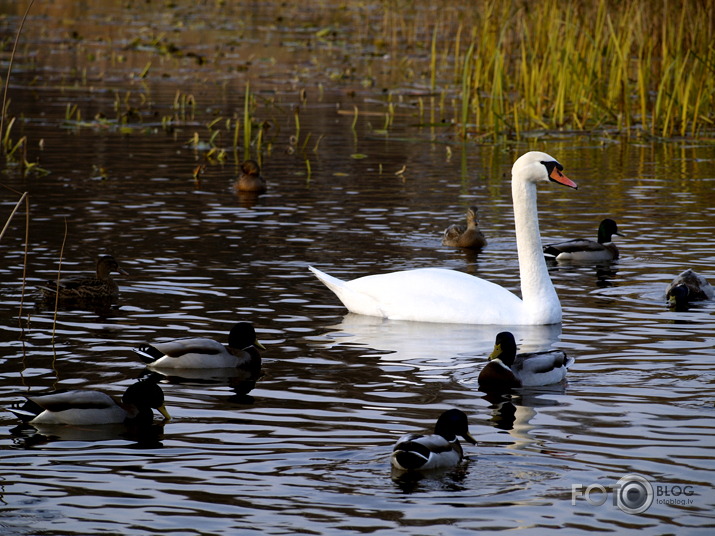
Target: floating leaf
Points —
{"points": [[358, 156]]}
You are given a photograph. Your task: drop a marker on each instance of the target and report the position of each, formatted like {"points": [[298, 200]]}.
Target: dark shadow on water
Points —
{"points": [[104, 308]]}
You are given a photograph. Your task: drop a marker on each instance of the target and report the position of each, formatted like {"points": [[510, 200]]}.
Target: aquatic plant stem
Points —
{"points": [[9, 67], [247, 123], [57, 295], [17, 205]]}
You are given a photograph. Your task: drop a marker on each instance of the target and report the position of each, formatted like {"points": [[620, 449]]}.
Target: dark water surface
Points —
{"points": [[307, 449]]}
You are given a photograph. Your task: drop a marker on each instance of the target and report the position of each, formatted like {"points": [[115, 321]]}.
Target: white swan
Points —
{"points": [[442, 295]]}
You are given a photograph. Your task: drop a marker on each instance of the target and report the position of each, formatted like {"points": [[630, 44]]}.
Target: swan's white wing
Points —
{"points": [[356, 301], [428, 295]]}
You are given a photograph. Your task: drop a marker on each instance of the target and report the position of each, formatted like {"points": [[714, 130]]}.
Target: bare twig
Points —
{"points": [[59, 273]]}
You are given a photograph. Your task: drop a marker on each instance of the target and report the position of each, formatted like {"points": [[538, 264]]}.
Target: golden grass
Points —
{"points": [[634, 65]]}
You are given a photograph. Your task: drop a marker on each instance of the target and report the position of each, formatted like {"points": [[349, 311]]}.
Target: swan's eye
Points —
{"points": [[551, 165]]}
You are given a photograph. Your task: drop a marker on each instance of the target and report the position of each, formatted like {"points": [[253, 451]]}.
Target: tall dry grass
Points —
{"points": [[635, 65]]}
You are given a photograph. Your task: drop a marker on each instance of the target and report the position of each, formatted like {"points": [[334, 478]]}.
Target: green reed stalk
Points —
{"points": [[578, 65], [296, 117], [466, 89], [236, 130], [247, 123], [433, 60]]}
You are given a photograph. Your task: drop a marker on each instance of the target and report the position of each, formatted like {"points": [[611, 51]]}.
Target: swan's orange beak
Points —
{"points": [[559, 177]]}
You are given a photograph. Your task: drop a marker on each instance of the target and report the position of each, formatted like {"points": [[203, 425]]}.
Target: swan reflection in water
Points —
{"points": [[425, 344]]}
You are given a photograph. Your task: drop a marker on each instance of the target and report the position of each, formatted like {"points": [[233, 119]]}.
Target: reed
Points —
{"points": [[247, 123], [643, 67]]}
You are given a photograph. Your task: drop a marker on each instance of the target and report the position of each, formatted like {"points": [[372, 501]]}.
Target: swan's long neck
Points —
{"points": [[538, 294]]}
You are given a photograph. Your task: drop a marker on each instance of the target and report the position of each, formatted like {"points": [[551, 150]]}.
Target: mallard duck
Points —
{"points": [[450, 296], [416, 452], [102, 286], [465, 236], [688, 286], [85, 407], [198, 353], [507, 370], [582, 249], [250, 179]]}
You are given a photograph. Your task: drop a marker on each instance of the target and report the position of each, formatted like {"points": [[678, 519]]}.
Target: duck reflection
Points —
{"points": [[241, 382], [103, 308], [437, 479], [605, 271], [513, 412], [142, 435], [605, 275]]}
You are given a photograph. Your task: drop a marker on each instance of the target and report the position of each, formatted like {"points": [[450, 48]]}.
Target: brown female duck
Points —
{"points": [[250, 179], [688, 287], [102, 286], [465, 236]]}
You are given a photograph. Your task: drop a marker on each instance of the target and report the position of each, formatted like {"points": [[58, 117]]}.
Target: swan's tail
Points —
{"points": [[355, 301]]}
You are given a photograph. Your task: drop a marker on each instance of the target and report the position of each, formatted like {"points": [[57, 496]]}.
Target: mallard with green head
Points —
{"points": [[88, 407], [201, 353], [440, 450], [585, 250], [689, 286], [507, 369]]}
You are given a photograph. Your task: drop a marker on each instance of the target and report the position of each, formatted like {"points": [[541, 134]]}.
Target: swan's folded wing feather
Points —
{"points": [[403, 295], [355, 301]]}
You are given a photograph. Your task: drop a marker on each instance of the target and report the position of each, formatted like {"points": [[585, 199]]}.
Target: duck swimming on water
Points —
{"points": [[465, 236], [687, 287], [250, 179], [86, 288], [87, 407], [506, 369], [203, 353], [440, 450], [582, 249]]}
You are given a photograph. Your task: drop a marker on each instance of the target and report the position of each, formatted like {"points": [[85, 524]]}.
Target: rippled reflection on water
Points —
{"points": [[306, 448]]}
